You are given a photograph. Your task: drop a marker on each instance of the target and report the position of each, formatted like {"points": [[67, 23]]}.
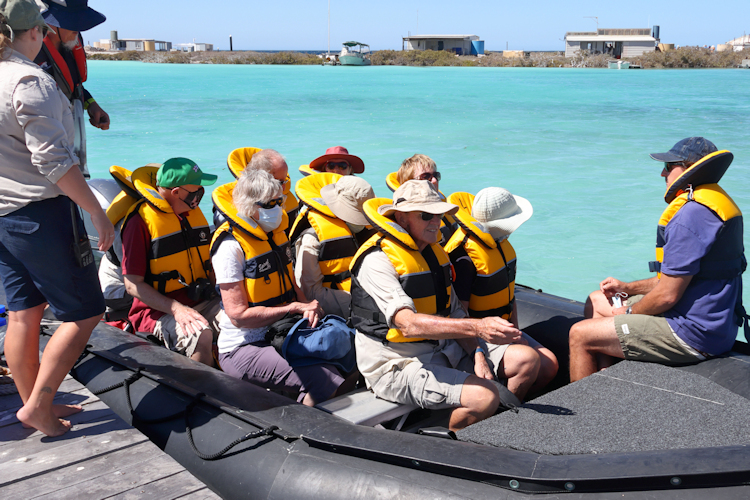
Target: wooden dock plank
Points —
{"points": [[21, 463], [80, 397], [168, 488], [71, 475], [204, 494], [130, 478]]}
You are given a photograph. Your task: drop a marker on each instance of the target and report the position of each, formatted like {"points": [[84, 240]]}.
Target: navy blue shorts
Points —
{"points": [[38, 265]]}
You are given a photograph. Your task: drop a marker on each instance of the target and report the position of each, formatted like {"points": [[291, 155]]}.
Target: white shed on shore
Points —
{"points": [[462, 45], [741, 43], [617, 42]]}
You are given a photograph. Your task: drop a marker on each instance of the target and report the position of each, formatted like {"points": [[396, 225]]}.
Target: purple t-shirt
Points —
{"points": [[704, 316]]}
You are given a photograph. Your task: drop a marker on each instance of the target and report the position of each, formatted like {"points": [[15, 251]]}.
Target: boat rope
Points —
{"points": [[268, 431]]}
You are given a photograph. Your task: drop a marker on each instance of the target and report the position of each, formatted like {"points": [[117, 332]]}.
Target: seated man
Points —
{"points": [[414, 343], [689, 311], [326, 237], [166, 262], [485, 262]]}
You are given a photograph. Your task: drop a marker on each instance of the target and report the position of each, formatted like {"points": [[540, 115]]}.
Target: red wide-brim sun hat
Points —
{"points": [[338, 153]]}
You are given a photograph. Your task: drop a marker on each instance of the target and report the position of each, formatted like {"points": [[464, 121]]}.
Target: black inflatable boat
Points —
{"points": [[632, 431]]}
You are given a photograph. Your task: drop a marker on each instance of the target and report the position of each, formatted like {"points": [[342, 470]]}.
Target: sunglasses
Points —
{"points": [[429, 175], [271, 203], [668, 166], [427, 216], [340, 165]]}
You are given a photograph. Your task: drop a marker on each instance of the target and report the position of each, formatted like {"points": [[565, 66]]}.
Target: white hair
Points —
{"points": [[254, 186], [265, 159]]}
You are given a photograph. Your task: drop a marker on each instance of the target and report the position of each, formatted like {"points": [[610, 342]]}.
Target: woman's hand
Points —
{"points": [[311, 311], [105, 229]]}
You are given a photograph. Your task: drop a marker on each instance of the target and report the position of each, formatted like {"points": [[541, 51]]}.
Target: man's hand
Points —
{"points": [[481, 368], [611, 287], [619, 310], [311, 311], [190, 320], [98, 117], [496, 330]]}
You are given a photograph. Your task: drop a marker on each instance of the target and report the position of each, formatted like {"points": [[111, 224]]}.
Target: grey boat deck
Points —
{"points": [[101, 457]]}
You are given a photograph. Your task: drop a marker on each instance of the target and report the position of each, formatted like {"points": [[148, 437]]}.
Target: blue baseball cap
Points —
{"points": [[688, 150], [72, 15]]}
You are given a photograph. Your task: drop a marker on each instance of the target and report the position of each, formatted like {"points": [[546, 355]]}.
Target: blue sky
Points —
{"points": [[302, 25]]}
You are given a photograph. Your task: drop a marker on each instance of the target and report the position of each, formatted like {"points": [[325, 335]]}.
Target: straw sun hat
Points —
{"points": [[499, 211], [417, 196]]}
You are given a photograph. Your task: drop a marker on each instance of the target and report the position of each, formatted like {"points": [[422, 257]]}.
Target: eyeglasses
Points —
{"points": [[271, 203], [668, 166], [428, 216], [427, 176], [196, 191]]}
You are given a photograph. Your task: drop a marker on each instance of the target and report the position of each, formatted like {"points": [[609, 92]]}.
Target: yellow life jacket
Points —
{"points": [[119, 207], [725, 259], [179, 248], [305, 170], [337, 242], [492, 293], [417, 271], [238, 160], [268, 264], [448, 223]]}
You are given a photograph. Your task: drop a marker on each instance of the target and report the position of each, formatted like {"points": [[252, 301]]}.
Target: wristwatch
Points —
{"points": [[629, 310]]}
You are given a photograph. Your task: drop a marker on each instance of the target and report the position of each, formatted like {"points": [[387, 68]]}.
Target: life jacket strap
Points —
{"points": [[335, 279]]}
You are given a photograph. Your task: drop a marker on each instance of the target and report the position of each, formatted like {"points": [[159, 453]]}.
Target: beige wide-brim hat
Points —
{"points": [[497, 209], [345, 198], [417, 196]]}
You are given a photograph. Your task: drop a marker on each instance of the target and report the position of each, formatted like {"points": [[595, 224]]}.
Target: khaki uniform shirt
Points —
{"points": [[36, 133]]}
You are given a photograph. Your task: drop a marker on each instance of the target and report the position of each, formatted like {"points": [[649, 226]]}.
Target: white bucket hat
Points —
{"points": [[346, 197], [500, 212]]}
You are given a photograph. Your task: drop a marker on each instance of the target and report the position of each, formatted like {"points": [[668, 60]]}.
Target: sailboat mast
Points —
{"points": [[329, 26]]}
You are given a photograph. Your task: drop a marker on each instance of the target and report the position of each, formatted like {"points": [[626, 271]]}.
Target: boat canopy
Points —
{"points": [[354, 44]]}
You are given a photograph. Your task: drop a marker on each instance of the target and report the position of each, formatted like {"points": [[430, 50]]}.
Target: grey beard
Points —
{"points": [[71, 44]]}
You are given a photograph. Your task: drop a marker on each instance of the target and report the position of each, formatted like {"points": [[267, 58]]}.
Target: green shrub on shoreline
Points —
{"points": [[684, 57]]}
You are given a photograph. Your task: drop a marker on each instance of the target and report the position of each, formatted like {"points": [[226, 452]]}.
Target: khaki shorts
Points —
{"points": [[435, 385], [168, 331], [650, 338]]}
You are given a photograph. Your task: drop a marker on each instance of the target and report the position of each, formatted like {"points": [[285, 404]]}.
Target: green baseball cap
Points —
{"points": [[22, 14], [181, 172]]}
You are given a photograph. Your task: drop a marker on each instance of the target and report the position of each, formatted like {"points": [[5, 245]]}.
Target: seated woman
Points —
{"points": [[337, 160], [251, 259], [485, 263], [423, 168]]}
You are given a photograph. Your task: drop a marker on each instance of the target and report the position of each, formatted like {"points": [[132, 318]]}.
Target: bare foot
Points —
{"points": [[61, 411], [48, 424]]}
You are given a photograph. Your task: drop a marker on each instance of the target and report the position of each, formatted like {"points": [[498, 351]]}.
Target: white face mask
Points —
{"points": [[355, 228], [269, 218]]}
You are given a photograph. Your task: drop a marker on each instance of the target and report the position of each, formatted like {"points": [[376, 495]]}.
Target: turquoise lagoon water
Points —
{"points": [[575, 142]]}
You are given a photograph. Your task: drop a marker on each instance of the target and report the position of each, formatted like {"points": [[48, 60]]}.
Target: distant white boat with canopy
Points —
{"points": [[355, 54]]}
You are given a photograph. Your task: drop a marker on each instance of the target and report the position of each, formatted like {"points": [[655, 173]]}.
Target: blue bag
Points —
{"points": [[331, 342]]}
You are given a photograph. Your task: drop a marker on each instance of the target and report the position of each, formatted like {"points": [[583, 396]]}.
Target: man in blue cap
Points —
{"points": [[166, 263], [63, 57], [690, 311]]}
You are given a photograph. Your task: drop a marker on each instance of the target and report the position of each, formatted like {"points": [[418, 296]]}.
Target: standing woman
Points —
{"points": [[40, 186]]}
